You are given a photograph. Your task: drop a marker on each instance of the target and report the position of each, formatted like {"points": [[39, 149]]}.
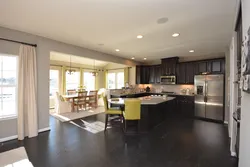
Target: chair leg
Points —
{"points": [[138, 126], [125, 126], [106, 122]]}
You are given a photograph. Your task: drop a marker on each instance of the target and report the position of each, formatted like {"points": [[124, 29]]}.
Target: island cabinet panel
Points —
{"points": [[184, 106]]}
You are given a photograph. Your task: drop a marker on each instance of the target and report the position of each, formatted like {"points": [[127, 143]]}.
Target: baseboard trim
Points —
{"points": [[233, 154], [15, 136], [44, 130], [8, 138]]}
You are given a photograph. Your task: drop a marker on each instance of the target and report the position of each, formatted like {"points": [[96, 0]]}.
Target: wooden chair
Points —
{"points": [[71, 92], [80, 101], [93, 99]]}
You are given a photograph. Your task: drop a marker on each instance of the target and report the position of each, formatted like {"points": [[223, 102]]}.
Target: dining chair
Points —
{"points": [[71, 91], [81, 100], [132, 112], [61, 106], [92, 99], [110, 111]]}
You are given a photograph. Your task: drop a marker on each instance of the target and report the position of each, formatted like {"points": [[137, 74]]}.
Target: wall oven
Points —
{"points": [[168, 80]]}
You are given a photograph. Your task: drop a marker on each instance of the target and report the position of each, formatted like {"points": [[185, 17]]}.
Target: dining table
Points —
{"points": [[70, 98]]}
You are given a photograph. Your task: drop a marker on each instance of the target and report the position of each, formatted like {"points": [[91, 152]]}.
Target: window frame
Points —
{"points": [[79, 78], [116, 80], [14, 116], [83, 78]]}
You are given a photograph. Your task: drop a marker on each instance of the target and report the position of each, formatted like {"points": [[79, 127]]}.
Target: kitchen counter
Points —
{"points": [[141, 94], [148, 100], [154, 110]]}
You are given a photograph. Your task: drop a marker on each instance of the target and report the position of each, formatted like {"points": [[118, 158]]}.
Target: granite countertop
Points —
{"points": [[148, 100], [136, 93]]}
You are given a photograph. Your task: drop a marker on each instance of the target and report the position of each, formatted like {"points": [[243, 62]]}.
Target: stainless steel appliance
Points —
{"points": [[209, 96], [168, 80]]}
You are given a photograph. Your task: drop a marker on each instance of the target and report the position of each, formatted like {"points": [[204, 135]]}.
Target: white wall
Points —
{"points": [[244, 159], [45, 46]]}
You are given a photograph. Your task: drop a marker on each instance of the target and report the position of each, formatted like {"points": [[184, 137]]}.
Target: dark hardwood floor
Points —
{"points": [[175, 143]]}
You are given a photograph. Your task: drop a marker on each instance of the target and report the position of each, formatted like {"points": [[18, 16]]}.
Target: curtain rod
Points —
{"points": [[75, 67], [117, 69], [9, 40]]}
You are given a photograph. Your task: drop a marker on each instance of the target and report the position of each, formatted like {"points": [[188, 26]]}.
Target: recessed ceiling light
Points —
{"points": [[132, 58], [139, 36], [118, 50], [191, 51], [145, 58], [175, 35]]}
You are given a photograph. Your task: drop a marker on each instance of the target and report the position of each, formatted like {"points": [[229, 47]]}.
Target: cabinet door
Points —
{"points": [[190, 73], [152, 74], [138, 74], [145, 75], [158, 74], [202, 67], [216, 66], [181, 73]]}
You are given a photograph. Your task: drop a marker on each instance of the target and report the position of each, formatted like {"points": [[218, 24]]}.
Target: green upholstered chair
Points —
{"points": [[132, 112], [110, 111]]}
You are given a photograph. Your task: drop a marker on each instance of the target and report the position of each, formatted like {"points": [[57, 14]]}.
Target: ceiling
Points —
{"points": [[105, 25], [61, 57]]}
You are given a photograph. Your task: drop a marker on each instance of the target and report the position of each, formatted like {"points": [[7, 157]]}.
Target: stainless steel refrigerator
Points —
{"points": [[209, 97]]}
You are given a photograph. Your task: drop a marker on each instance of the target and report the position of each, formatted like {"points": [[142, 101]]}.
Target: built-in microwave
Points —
{"points": [[168, 80]]}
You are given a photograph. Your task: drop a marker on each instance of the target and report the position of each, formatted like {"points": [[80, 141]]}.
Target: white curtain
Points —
{"points": [[27, 93]]}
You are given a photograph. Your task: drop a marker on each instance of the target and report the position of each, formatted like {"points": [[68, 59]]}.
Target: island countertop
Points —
{"points": [[148, 100]]}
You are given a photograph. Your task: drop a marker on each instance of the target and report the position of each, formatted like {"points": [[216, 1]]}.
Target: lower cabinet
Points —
{"points": [[184, 106]]}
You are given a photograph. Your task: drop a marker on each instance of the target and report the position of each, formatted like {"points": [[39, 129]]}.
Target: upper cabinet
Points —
{"points": [[142, 74], [215, 66], [168, 66], [185, 73]]}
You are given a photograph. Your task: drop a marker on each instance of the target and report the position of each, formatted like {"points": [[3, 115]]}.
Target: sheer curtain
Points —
{"points": [[27, 93]]}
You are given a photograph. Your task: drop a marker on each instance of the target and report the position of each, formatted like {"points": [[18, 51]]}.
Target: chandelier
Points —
{"points": [[94, 73], [70, 71]]}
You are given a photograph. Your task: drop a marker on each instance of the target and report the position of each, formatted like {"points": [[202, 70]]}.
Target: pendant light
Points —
{"points": [[70, 71]]}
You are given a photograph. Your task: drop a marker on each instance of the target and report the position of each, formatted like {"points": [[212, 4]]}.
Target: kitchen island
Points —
{"points": [[154, 110]]}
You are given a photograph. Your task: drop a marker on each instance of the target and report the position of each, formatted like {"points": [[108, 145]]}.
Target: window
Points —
{"points": [[111, 80], [54, 82], [89, 81], [115, 80], [8, 86], [120, 80], [73, 80]]}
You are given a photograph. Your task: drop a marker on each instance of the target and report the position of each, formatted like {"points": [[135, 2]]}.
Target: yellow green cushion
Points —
{"points": [[113, 111]]}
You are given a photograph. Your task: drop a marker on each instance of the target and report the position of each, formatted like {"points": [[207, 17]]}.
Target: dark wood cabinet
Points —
{"points": [[181, 73], [142, 74], [190, 73], [214, 66], [185, 106], [138, 75], [157, 74], [185, 73], [168, 66], [152, 74]]}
